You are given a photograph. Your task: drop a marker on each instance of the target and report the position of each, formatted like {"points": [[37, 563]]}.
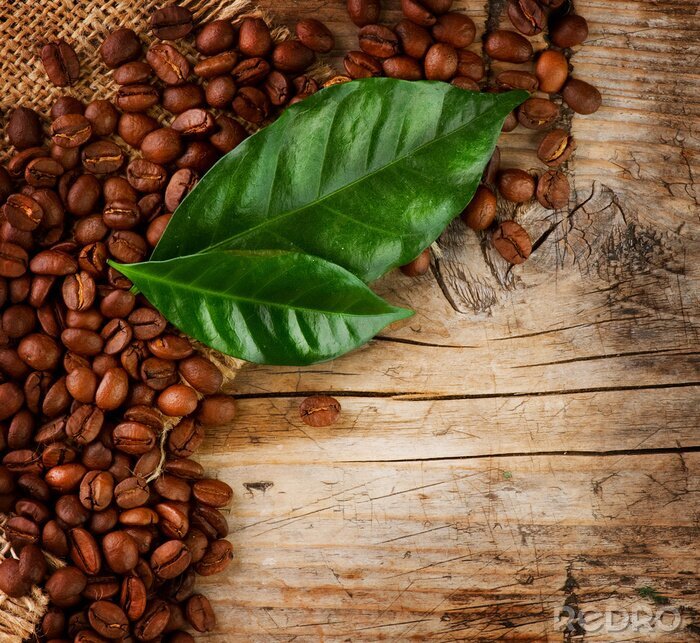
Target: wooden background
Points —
{"points": [[529, 440]]}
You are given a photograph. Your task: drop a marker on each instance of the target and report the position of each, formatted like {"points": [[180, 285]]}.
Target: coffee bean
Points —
{"points": [[132, 73], [200, 614], [82, 384], [481, 211], [217, 65], [174, 522], [470, 65], [66, 105], [195, 122], [440, 62], [146, 176], [97, 490], [215, 37], [156, 228], [363, 12], [133, 128], [13, 260], [378, 41], [172, 22], [108, 620], [218, 494], [416, 12], [516, 185], [292, 56], [112, 390], [250, 71], [39, 351], [121, 215], [170, 559], [153, 622], [438, 7], [120, 552], [53, 262], [537, 113], [216, 558], [68, 157], [185, 468], [32, 564], [60, 63], [581, 97], [84, 551], [100, 588], [102, 157], [183, 97], [23, 212], [177, 400], [131, 492], [11, 581], [454, 29], [556, 147], [43, 172], [517, 79], [93, 258], [181, 183], [133, 438], [251, 104], [119, 47], [507, 46], [103, 117], [79, 291], [415, 41], [319, 410], [24, 129], [201, 155], [65, 585], [71, 130], [358, 64], [137, 98], [185, 438], [168, 63], [552, 70], [254, 38], [569, 31], [315, 35], [133, 597], [201, 374], [553, 190], [83, 195], [512, 242], [162, 146], [231, 133], [403, 67], [527, 16]]}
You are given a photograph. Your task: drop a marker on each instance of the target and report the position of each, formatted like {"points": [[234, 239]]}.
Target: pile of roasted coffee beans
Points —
{"points": [[102, 404], [431, 43]]}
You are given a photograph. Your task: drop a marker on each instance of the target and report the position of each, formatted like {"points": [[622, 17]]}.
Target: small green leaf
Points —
{"points": [[363, 174], [270, 307]]}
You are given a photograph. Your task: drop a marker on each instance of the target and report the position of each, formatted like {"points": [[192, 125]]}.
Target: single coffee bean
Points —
{"points": [[414, 40], [170, 559], [481, 211], [171, 347], [581, 97], [23, 460], [292, 56], [516, 185], [65, 585], [39, 351], [108, 620], [200, 614], [219, 91], [378, 41], [18, 320], [101, 588], [133, 597], [71, 130], [201, 155], [81, 341], [527, 16], [216, 410], [168, 63], [158, 373], [512, 242], [185, 468], [121, 215], [363, 12], [358, 64], [60, 63], [82, 384], [508, 46], [131, 492], [319, 410], [132, 73], [102, 157], [32, 564], [201, 374], [254, 37], [120, 552], [153, 622], [315, 35], [112, 390], [403, 67], [195, 122], [556, 147], [216, 493], [23, 212], [162, 146], [217, 65], [117, 335], [250, 71], [417, 12], [66, 105], [470, 65], [146, 176], [57, 399], [137, 98], [231, 133], [147, 323], [83, 195], [103, 117], [552, 70], [84, 551], [65, 477], [133, 128], [216, 558], [96, 490], [119, 47], [185, 438], [181, 183], [455, 29], [510, 122], [43, 172], [174, 522], [215, 37], [133, 438], [172, 22], [251, 104], [440, 62], [183, 97], [517, 79], [24, 129], [11, 581], [93, 258], [68, 157], [537, 113], [13, 260], [156, 228], [553, 190], [79, 291], [177, 400], [53, 262], [569, 31], [172, 488]]}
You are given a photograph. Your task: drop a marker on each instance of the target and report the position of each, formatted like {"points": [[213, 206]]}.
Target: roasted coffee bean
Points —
{"points": [[39, 352], [217, 65], [569, 31], [197, 543], [185, 438], [363, 12], [82, 384], [251, 104], [133, 128], [172, 22], [581, 97], [53, 623], [219, 91], [66, 105], [65, 585], [250, 71], [171, 347], [156, 229], [96, 490], [378, 41], [18, 162], [218, 494], [414, 40], [537, 113], [54, 263], [174, 522], [93, 258], [103, 117], [319, 410], [11, 581], [358, 64], [517, 79], [510, 122], [32, 509], [18, 320], [133, 438], [102, 363], [147, 323], [481, 211], [470, 65], [177, 400], [153, 622], [117, 188], [158, 373], [162, 146], [65, 477], [215, 37], [132, 73], [120, 552], [23, 460], [403, 67], [556, 147], [508, 46], [60, 63], [137, 98], [82, 341], [79, 291], [216, 410], [292, 56], [23, 212], [43, 172], [24, 129], [13, 260], [119, 47], [516, 185], [170, 559], [438, 7], [183, 97], [68, 157], [201, 155], [417, 12], [32, 564], [254, 38], [195, 122], [133, 597], [131, 492], [85, 423], [201, 374], [172, 488], [527, 16], [57, 399], [121, 215], [71, 130], [112, 390], [454, 29], [83, 195], [84, 551], [108, 620], [99, 588], [553, 190], [216, 559], [440, 62], [552, 70], [512, 242], [146, 176], [102, 157], [231, 133], [315, 35], [200, 614], [179, 186], [21, 531], [91, 229]]}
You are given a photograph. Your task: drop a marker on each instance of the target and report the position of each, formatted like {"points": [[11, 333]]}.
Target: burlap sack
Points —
{"points": [[24, 27]]}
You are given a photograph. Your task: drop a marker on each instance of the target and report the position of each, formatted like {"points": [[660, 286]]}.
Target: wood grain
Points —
{"points": [[529, 440]]}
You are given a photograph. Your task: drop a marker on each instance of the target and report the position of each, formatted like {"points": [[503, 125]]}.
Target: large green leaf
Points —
{"points": [[272, 307], [364, 174]]}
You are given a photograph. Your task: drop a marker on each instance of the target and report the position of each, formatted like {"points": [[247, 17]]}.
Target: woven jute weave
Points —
{"points": [[25, 25]]}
